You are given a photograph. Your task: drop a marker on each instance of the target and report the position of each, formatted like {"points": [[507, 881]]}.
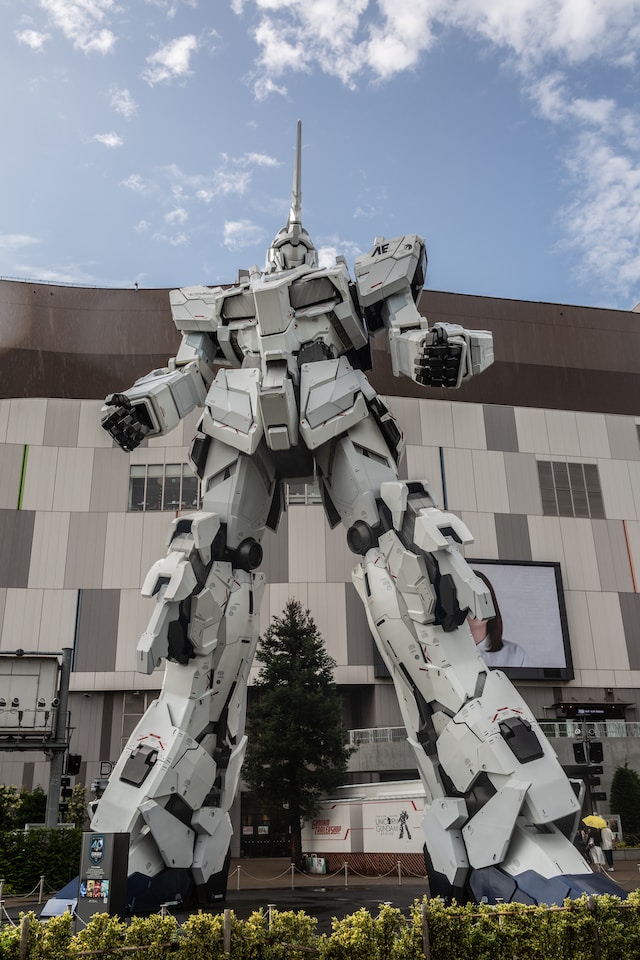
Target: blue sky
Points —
{"points": [[151, 142]]}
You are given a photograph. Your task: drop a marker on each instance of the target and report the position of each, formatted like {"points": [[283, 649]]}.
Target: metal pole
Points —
{"points": [[346, 874], [57, 760]]}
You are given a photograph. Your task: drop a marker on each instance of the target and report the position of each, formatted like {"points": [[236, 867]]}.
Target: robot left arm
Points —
{"points": [[389, 281]]}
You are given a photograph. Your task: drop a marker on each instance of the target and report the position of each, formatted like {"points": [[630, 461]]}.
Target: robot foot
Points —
{"points": [[491, 885], [175, 886]]}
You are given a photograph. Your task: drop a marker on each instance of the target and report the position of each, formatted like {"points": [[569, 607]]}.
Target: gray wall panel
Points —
{"points": [[500, 428], [512, 534], [109, 481], [630, 608], [85, 550], [16, 531], [275, 564], [612, 556], [359, 639], [11, 455], [97, 631], [61, 423]]}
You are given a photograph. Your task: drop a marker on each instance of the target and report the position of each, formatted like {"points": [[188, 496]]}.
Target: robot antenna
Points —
{"points": [[292, 246]]}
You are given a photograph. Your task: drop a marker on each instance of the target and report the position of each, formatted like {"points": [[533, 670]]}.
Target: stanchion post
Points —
{"points": [[270, 908], [24, 937], [41, 890], [293, 869], [1, 886], [226, 931], [399, 874], [426, 948], [238, 877], [346, 874]]}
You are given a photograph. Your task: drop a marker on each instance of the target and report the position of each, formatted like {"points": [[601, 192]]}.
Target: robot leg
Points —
{"points": [[502, 812], [173, 786]]}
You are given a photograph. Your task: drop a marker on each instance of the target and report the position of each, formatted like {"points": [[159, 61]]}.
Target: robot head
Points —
{"points": [[292, 246]]}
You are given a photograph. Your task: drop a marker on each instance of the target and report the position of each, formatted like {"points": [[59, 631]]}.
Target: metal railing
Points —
{"points": [[551, 728]]}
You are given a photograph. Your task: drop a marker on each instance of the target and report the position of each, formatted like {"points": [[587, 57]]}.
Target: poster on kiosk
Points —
{"points": [[102, 884]]}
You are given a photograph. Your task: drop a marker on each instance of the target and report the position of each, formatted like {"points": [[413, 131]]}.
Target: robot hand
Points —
{"points": [[450, 354], [127, 424]]}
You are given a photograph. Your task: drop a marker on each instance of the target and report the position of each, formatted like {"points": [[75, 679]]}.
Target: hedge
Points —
{"points": [[598, 928], [26, 856]]}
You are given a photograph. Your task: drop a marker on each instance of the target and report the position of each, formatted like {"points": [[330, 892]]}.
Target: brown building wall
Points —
{"points": [[76, 342]]}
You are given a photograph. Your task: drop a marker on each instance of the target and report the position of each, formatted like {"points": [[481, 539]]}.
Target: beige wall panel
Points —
{"points": [[26, 421], [40, 478], [634, 478], [85, 550], [490, 481], [546, 539], [633, 541], [3, 600], [90, 433], [135, 612], [612, 555], [61, 423], [406, 410], [5, 407], [22, 620], [49, 550], [171, 439], [340, 561], [123, 550], [460, 480], [617, 490], [533, 436], [483, 531], [581, 638], [436, 422], [623, 438], [468, 426], [581, 564], [11, 455], [58, 619], [592, 435], [608, 633], [523, 485], [307, 557], [109, 481], [327, 607], [423, 463], [563, 433], [155, 530], [72, 489]]}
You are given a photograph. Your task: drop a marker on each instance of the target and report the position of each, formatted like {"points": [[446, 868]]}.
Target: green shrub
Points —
{"points": [[25, 857]]}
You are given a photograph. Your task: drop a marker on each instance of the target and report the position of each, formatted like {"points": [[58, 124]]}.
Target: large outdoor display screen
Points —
{"points": [[531, 602]]}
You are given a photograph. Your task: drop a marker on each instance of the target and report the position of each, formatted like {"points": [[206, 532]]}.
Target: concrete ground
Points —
{"points": [[260, 883]]}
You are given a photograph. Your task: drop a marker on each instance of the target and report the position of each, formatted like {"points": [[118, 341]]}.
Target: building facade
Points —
{"points": [[540, 456]]}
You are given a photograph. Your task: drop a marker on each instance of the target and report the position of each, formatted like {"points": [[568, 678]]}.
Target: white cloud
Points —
{"points": [[81, 22], [16, 241], [242, 233], [177, 216], [32, 38], [171, 61], [109, 139], [122, 102], [134, 182], [142, 227]]}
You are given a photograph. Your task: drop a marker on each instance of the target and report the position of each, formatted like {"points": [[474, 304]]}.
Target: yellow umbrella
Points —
{"points": [[595, 821]]}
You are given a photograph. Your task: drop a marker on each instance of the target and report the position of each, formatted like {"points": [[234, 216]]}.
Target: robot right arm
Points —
{"points": [[156, 403], [389, 281]]}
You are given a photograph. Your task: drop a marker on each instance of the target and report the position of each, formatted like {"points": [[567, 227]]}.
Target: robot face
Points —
{"points": [[291, 249]]}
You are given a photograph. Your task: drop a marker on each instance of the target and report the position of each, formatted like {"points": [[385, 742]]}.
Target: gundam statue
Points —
{"points": [[276, 363]]}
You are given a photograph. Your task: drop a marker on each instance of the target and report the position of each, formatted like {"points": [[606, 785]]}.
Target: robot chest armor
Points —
{"points": [[279, 315]]}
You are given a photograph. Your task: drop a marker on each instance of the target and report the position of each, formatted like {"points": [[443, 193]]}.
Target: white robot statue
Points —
{"points": [[290, 401]]}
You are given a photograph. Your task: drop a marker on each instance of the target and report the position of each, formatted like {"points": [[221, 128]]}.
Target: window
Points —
{"points": [[134, 706], [570, 489], [157, 486], [304, 492]]}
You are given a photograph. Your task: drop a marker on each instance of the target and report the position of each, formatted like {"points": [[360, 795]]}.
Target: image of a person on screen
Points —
{"points": [[490, 644]]}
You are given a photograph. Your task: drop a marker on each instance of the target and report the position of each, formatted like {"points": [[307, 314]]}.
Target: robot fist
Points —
{"points": [[441, 360], [127, 424]]}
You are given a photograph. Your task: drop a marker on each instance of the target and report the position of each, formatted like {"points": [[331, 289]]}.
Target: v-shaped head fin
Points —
{"points": [[292, 246]]}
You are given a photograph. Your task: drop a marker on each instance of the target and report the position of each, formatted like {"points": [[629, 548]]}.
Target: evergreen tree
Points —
{"points": [[297, 747], [624, 799]]}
